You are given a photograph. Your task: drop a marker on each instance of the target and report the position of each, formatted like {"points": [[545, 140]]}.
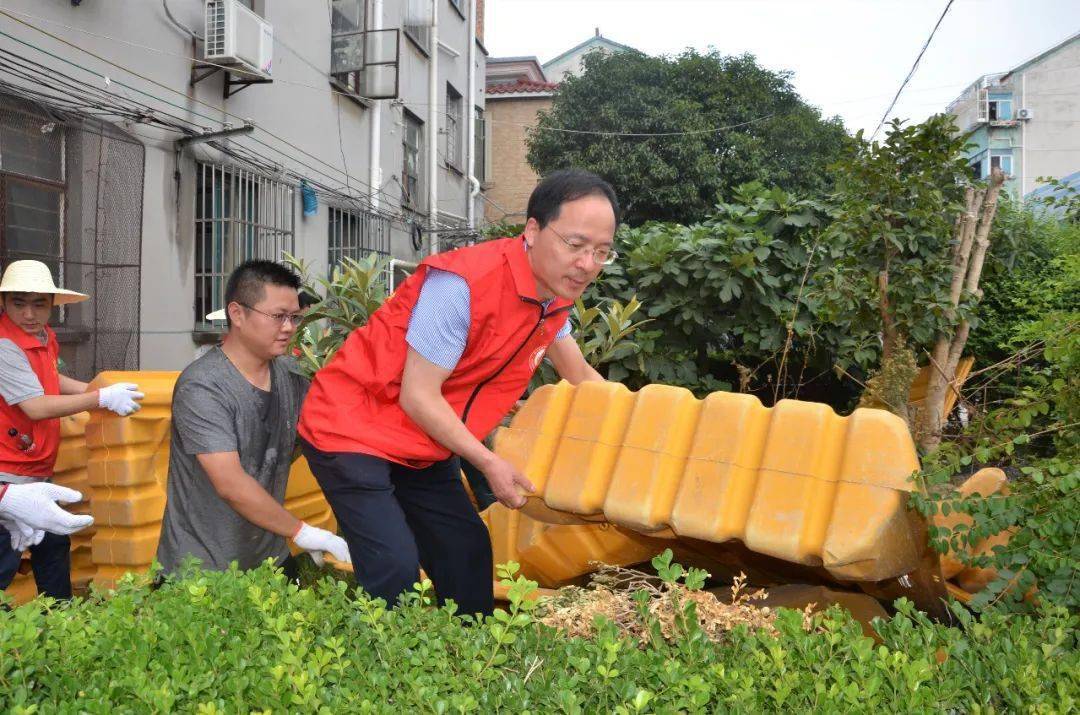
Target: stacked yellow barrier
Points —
{"points": [[129, 466], [557, 554], [71, 471], [129, 463], [796, 481], [796, 484]]}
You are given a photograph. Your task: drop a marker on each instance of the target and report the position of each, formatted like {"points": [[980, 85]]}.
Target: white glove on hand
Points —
{"points": [[22, 536], [315, 541], [122, 398], [34, 506]]}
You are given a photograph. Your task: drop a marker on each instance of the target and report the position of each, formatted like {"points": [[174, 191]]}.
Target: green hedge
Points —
{"points": [[249, 642]]}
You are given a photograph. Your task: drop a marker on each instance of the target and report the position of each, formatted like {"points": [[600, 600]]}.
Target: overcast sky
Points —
{"points": [[849, 56]]}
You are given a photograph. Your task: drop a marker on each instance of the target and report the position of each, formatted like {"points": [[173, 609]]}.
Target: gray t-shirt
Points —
{"points": [[215, 409], [18, 383]]}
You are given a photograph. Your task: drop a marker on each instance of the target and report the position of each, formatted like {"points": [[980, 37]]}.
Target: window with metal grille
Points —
{"points": [[87, 231], [419, 35], [32, 191], [239, 215], [453, 127], [410, 170], [480, 144], [354, 234]]}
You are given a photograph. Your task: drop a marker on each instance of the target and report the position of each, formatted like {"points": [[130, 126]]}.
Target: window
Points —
{"points": [[999, 107], [480, 145], [32, 191], [259, 7], [88, 231], [410, 170], [352, 235], [239, 215], [347, 23], [453, 127], [457, 6], [1001, 160], [419, 35]]}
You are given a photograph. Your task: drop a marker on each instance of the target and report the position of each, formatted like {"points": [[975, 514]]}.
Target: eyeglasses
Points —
{"points": [[601, 255], [283, 318]]}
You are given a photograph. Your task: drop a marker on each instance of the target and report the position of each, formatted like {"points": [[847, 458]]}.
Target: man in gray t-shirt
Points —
{"points": [[234, 414]]}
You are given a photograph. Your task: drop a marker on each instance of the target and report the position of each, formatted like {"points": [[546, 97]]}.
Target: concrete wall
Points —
{"points": [[298, 108], [512, 179], [1049, 142]]}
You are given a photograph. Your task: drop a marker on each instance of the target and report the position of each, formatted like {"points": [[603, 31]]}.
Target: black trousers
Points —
{"points": [[396, 519], [50, 560]]}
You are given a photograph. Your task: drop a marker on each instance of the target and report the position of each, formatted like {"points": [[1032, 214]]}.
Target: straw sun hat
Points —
{"points": [[34, 277]]}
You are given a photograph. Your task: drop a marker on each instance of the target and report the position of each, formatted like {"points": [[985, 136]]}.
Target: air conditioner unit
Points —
{"points": [[237, 37], [1024, 113]]}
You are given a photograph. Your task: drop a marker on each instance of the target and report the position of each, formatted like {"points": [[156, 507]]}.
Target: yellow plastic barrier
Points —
{"points": [[128, 469], [917, 394], [555, 555], [796, 482], [984, 482], [71, 471]]}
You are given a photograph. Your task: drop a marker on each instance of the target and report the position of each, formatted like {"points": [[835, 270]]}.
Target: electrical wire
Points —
{"points": [[911, 73], [186, 97], [403, 218]]}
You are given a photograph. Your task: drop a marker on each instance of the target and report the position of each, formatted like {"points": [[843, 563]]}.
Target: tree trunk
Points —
{"points": [[971, 242]]}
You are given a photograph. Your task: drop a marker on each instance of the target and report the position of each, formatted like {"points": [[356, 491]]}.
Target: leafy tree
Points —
{"points": [[775, 138], [721, 294]]}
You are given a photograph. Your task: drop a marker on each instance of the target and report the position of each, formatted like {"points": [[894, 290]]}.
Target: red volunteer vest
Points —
{"points": [[352, 405], [37, 458]]}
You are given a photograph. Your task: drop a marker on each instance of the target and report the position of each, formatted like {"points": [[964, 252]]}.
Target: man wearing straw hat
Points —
{"points": [[33, 398]]}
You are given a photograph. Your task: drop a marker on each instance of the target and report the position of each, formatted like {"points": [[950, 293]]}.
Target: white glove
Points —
{"points": [[122, 398], [22, 536], [315, 541], [34, 506]]}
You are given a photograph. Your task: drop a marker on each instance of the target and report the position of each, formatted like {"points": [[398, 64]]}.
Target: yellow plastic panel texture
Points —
{"points": [[127, 472], [917, 394], [554, 555], [796, 482]]}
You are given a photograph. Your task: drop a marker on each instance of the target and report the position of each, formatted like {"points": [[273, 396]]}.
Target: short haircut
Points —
{"points": [[247, 283], [565, 185], [25, 295]]}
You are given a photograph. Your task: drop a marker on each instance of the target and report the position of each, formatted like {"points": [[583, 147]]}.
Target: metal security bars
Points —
{"points": [[453, 127], [354, 234], [239, 215]]}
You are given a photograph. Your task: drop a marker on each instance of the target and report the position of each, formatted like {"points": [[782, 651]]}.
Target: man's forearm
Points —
{"points": [[248, 499], [47, 407], [71, 386], [439, 421]]}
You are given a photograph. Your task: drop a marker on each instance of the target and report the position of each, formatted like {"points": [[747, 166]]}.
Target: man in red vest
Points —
{"points": [[33, 398], [432, 373]]}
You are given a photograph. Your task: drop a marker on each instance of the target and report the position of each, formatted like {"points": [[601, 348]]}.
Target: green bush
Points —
{"points": [[1026, 417], [250, 642]]}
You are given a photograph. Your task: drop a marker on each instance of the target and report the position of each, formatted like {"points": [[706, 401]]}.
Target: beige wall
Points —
{"points": [[512, 179], [1050, 140]]}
